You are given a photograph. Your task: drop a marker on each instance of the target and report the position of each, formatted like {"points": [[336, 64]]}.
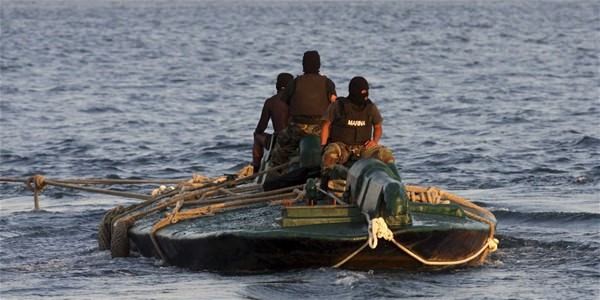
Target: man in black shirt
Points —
{"points": [[308, 97], [352, 127]]}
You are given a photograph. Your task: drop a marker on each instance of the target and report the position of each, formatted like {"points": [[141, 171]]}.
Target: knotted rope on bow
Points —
{"points": [[36, 183]]}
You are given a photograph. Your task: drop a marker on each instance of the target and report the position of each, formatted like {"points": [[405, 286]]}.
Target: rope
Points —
{"points": [[13, 179], [377, 228], [186, 196], [36, 184], [177, 215], [171, 218], [237, 197], [102, 181], [435, 195], [491, 244], [180, 197], [198, 193], [99, 191], [343, 261], [287, 202], [338, 200]]}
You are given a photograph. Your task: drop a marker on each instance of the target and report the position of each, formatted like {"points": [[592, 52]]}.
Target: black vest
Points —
{"points": [[351, 125], [310, 99]]}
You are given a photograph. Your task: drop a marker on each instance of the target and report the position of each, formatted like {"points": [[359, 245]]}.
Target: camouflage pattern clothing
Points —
{"points": [[340, 153], [288, 140]]}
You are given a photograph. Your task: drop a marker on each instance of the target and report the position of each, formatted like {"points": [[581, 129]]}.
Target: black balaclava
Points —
{"points": [[282, 80], [311, 62], [358, 84]]}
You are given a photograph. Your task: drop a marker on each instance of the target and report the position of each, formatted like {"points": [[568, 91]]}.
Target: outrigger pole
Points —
{"points": [[37, 183]]}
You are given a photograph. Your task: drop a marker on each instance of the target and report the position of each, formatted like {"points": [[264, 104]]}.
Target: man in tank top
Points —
{"points": [[308, 97], [352, 127], [276, 110]]}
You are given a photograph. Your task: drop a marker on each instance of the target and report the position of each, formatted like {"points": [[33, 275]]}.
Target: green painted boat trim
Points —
{"points": [[319, 211], [329, 214], [292, 222], [437, 209], [353, 231], [320, 214]]}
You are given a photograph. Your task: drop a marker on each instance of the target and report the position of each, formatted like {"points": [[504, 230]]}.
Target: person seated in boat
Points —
{"points": [[276, 110], [352, 128], [308, 97]]}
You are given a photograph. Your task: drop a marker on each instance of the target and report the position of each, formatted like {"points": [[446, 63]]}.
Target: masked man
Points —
{"points": [[352, 128], [308, 97]]}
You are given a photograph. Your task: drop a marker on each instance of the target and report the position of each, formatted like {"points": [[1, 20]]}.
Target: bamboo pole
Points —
{"points": [[36, 199], [99, 191], [13, 179], [121, 181], [39, 182], [244, 196], [101, 181]]}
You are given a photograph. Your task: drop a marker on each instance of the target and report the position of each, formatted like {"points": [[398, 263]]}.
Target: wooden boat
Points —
{"points": [[376, 223]]}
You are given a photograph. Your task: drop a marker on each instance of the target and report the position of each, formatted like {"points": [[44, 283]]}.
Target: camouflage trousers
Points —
{"points": [[288, 140], [340, 153]]}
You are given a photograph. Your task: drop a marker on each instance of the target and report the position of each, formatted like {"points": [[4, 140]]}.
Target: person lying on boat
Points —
{"points": [[352, 128], [308, 97], [275, 110]]}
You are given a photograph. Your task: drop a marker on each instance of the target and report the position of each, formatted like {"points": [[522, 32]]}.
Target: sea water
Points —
{"points": [[497, 101]]}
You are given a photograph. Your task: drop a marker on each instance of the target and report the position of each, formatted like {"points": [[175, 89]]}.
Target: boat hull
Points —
{"points": [[434, 238]]}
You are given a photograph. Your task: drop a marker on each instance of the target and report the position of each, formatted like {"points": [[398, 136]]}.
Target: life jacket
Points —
{"points": [[351, 125], [310, 100]]}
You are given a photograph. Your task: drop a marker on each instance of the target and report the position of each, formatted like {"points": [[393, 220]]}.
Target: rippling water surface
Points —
{"points": [[497, 101]]}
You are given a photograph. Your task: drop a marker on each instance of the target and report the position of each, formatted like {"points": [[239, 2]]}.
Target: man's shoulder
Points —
{"points": [[276, 96], [371, 103], [275, 99], [374, 111], [372, 106], [325, 77], [313, 75]]}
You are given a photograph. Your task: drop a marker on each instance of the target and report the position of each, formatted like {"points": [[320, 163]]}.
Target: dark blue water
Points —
{"points": [[497, 101]]}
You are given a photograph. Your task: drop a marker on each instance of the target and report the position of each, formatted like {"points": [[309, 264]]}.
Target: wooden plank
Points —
{"points": [[318, 211], [293, 222]]}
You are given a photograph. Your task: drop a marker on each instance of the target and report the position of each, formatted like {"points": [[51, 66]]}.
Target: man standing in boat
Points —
{"points": [[308, 97], [352, 128], [276, 110]]}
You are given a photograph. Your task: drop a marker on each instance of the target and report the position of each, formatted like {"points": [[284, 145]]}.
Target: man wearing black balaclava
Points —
{"points": [[352, 127], [308, 97]]}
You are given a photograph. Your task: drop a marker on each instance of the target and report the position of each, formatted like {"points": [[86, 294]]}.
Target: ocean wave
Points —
{"points": [[511, 242], [8, 90], [587, 142], [469, 98], [101, 109], [527, 179], [11, 158], [9, 68], [555, 218]]}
